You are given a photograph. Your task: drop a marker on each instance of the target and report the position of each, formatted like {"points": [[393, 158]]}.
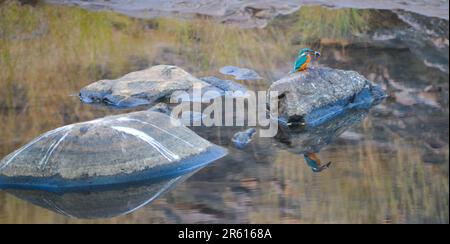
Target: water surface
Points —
{"points": [[391, 167]]}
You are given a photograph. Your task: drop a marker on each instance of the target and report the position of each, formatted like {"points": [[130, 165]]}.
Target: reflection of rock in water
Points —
{"points": [[100, 204], [250, 13], [417, 107], [425, 37], [391, 33], [314, 139], [113, 150]]}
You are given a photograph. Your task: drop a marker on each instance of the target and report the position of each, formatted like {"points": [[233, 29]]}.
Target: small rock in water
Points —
{"points": [[319, 94], [113, 150], [351, 136], [138, 88], [161, 108], [243, 138], [432, 88], [212, 89], [240, 73], [225, 85]]}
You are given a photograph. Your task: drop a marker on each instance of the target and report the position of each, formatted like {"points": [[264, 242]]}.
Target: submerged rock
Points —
{"points": [[119, 149], [139, 88], [242, 138], [312, 97], [240, 73]]}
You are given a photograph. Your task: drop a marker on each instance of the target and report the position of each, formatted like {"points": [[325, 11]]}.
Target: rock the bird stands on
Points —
{"points": [[320, 94]]}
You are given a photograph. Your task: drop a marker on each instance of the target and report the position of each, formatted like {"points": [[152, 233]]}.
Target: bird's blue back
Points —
{"points": [[301, 59]]}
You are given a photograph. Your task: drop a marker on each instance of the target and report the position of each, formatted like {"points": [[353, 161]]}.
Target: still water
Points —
{"points": [[389, 165]]}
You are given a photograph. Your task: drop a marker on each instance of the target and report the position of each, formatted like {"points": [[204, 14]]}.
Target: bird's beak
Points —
{"points": [[326, 166]]}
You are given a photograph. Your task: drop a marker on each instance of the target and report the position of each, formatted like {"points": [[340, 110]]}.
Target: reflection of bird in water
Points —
{"points": [[303, 59], [314, 162]]}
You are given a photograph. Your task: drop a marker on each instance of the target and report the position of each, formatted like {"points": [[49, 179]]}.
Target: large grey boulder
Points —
{"points": [[143, 87], [113, 150], [319, 93]]}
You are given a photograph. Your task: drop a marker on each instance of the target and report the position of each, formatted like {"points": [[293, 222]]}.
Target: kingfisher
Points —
{"points": [[303, 59], [314, 162]]}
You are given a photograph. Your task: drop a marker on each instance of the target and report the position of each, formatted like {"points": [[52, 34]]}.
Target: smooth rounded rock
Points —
{"points": [[113, 150]]}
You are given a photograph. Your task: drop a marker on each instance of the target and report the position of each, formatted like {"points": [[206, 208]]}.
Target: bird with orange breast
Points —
{"points": [[315, 163], [303, 59]]}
